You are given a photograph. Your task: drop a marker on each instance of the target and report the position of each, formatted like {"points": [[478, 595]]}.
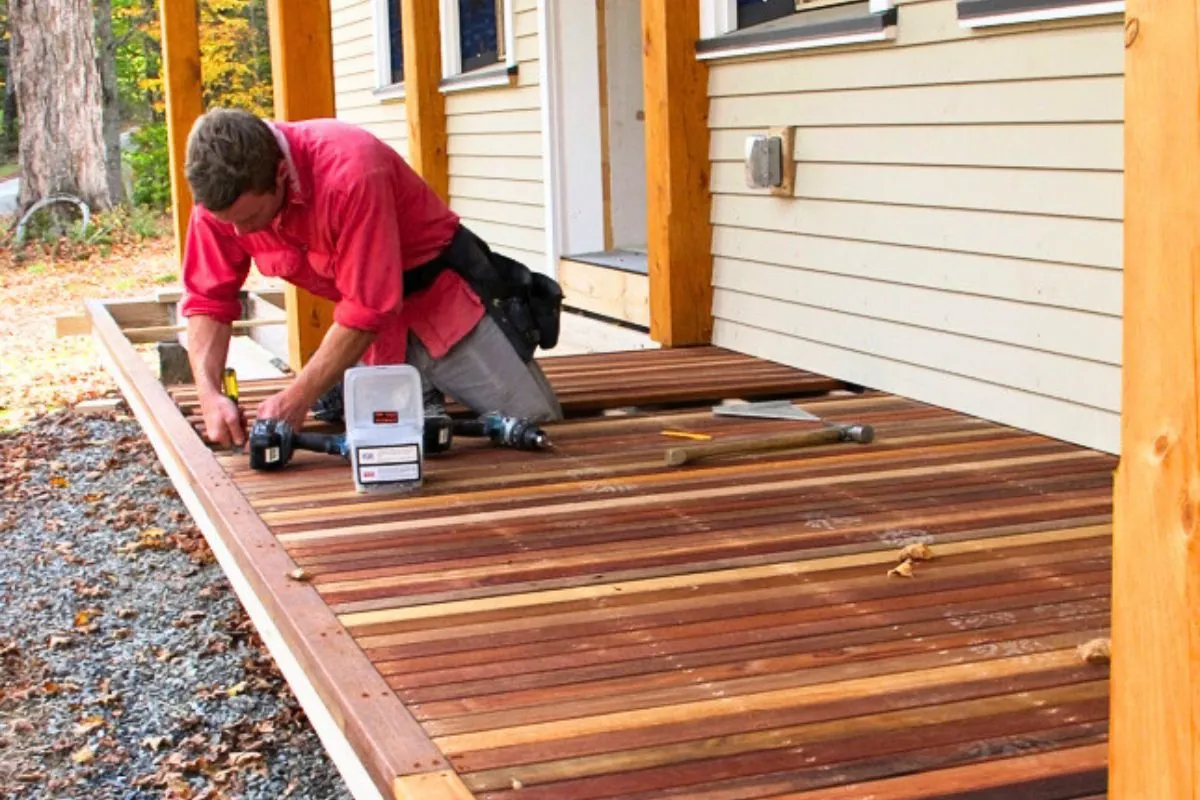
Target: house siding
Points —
{"points": [[494, 141], [355, 75], [955, 234]]}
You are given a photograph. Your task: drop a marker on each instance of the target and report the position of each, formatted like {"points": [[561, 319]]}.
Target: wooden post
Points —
{"points": [[424, 104], [1154, 745], [677, 180], [184, 91], [302, 75]]}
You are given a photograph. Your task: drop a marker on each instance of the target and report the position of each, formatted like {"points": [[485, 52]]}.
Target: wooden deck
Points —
{"points": [[589, 623]]}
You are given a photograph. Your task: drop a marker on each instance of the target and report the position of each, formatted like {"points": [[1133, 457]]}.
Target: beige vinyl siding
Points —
{"points": [[956, 230], [495, 146], [355, 75]]}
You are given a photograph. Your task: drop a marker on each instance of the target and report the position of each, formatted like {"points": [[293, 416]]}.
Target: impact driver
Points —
{"points": [[274, 442]]}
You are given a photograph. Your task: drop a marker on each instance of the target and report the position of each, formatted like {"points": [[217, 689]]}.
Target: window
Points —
{"points": [[986, 13], [747, 27], [477, 43], [389, 50]]}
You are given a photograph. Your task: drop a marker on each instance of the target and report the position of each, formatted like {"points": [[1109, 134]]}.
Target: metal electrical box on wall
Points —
{"points": [[770, 161]]}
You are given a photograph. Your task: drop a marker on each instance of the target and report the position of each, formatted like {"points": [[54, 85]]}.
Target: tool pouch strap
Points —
{"points": [[525, 304]]}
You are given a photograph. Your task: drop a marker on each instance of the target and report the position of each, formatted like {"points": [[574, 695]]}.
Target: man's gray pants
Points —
{"points": [[484, 372]]}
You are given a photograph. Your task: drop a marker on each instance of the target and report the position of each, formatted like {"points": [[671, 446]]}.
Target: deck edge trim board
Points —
{"points": [[369, 734]]}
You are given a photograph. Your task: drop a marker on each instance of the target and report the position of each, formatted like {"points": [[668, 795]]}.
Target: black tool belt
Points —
{"points": [[525, 304]]}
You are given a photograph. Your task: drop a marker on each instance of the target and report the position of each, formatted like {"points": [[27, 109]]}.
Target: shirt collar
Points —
{"points": [[297, 193]]}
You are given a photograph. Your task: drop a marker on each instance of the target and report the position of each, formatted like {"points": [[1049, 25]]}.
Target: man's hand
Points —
{"points": [[285, 406], [222, 420]]}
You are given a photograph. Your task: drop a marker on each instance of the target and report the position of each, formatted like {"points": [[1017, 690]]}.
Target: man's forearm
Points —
{"points": [[341, 349], [208, 347]]}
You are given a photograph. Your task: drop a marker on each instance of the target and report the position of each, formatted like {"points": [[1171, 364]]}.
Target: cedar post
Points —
{"points": [[677, 181], [1154, 744], [424, 104], [302, 74], [184, 91]]}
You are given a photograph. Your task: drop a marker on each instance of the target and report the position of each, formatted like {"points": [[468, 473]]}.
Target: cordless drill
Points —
{"points": [[274, 442]]}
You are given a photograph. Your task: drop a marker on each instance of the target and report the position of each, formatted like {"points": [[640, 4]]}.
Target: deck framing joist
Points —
{"points": [[368, 733]]}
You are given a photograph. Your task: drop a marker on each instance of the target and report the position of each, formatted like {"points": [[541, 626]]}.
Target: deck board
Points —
{"points": [[591, 624], [588, 623]]}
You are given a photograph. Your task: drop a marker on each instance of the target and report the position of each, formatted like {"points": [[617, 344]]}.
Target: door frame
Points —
{"points": [[573, 128]]}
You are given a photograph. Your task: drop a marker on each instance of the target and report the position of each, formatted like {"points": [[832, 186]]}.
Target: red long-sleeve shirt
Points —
{"points": [[356, 215]]}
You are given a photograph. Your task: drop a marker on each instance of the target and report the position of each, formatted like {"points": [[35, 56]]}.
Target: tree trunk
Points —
{"points": [[9, 144], [59, 101], [106, 50]]}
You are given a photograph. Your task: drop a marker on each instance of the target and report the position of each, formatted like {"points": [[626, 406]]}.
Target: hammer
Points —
{"points": [[864, 434]]}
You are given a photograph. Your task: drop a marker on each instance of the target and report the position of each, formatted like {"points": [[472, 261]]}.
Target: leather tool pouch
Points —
{"points": [[527, 305]]}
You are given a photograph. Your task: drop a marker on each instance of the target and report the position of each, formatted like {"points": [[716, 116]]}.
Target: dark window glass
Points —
{"points": [[479, 32], [756, 12], [397, 41]]}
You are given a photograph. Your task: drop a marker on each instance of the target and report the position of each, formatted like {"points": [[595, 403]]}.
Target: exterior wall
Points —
{"points": [[355, 71], [956, 230], [495, 146]]}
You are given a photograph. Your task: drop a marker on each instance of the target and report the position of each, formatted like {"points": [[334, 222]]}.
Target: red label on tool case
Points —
{"points": [[387, 417]]}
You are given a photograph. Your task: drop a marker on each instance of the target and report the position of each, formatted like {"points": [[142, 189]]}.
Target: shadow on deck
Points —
{"points": [[589, 623]]}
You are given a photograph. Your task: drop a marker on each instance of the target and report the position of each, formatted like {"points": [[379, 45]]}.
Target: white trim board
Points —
{"points": [[549, 84], [571, 130], [1045, 14]]}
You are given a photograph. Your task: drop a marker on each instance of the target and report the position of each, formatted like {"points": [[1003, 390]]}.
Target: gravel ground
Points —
{"points": [[128, 669]]}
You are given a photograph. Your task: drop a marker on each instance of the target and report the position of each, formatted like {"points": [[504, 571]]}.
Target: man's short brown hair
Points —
{"points": [[230, 152]]}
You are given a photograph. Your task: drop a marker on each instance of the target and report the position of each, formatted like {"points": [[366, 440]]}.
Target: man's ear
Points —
{"points": [[281, 175]]}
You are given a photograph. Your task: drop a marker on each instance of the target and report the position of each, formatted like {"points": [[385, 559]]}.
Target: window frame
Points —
{"points": [[502, 73], [385, 87], [719, 34], [994, 13]]}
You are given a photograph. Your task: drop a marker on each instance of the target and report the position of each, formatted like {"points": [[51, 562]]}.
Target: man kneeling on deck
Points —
{"points": [[334, 210]]}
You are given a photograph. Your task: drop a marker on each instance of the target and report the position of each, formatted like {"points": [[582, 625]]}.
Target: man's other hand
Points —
{"points": [[222, 421], [284, 406]]}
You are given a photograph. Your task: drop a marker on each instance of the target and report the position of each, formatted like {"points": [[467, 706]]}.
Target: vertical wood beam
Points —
{"points": [[1154, 744], [424, 104], [184, 91], [677, 179], [302, 77]]}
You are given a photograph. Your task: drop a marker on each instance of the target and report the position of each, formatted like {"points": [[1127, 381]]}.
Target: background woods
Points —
{"points": [[84, 79]]}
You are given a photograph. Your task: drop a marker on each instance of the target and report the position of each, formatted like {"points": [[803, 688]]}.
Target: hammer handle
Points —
{"points": [[678, 456]]}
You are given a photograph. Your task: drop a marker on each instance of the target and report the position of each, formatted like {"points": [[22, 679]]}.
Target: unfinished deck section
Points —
{"points": [[589, 623]]}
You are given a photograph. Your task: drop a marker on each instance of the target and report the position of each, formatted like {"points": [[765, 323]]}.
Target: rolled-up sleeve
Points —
{"points": [[215, 267], [370, 270]]}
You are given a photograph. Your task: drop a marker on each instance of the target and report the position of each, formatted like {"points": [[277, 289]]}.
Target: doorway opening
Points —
{"points": [[599, 134]]}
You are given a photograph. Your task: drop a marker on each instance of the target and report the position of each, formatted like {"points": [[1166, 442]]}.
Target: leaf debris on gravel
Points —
{"points": [[128, 669]]}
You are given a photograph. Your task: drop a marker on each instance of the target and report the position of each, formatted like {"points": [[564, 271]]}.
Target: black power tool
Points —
{"points": [[274, 442]]}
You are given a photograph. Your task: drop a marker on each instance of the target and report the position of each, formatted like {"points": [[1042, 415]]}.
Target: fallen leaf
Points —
{"points": [[84, 755], [155, 743], [84, 618], [904, 570], [21, 726], [918, 551], [236, 689], [59, 482], [243, 759], [30, 777], [1097, 651], [126, 613], [57, 642], [87, 725]]}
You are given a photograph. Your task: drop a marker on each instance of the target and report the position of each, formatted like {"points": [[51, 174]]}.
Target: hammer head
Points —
{"points": [[863, 434]]}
